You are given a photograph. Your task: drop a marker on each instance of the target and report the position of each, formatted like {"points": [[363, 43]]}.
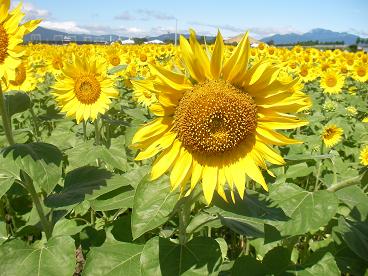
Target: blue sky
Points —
{"points": [[139, 18]]}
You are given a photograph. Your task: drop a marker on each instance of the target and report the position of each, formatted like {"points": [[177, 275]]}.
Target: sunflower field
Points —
{"points": [[194, 159]]}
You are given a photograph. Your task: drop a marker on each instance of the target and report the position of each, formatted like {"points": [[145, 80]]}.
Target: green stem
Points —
{"points": [[84, 131], [247, 247], [35, 123], [97, 132], [184, 216], [345, 183], [28, 183], [317, 185], [6, 119]]}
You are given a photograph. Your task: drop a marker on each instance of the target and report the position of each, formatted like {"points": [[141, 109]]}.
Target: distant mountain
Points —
{"points": [[44, 34], [321, 35], [171, 36]]}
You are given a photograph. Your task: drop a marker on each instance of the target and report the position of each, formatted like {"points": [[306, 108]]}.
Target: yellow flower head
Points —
{"points": [[11, 35], [216, 123], [332, 82], [83, 89], [364, 156], [332, 135]]}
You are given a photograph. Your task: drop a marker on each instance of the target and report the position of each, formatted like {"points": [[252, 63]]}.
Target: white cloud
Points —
{"points": [[32, 12], [65, 26], [361, 33]]}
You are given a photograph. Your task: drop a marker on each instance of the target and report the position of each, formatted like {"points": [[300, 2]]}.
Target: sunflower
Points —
{"points": [[331, 135], [360, 72], [11, 35], [332, 82], [25, 79], [215, 123], [83, 89], [364, 156]]}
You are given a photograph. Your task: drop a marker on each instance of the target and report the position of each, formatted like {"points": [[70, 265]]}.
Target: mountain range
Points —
{"points": [[322, 35]]}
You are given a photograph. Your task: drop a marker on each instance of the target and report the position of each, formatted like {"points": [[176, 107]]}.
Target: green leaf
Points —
{"points": [[325, 266], [136, 113], [8, 174], [41, 161], [16, 102], [249, 215], [121, 229], [277, 260], [117, 199], [114, 157], [114, 258], [308, 210], [53, 258], [355, 198], [79, 183], [247, 265], [355, 236], [200, 256], [117, 69], [299, 170], [67, 227], [153, 203]]}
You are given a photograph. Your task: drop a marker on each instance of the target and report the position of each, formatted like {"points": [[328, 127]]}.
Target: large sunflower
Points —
{"points": [[83, 89], [215, 122], [11, 35]]}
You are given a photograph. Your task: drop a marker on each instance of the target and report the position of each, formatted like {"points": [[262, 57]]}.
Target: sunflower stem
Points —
{"points": [[184, 216], [6, 119], [28, 184], [35, 123], [319, 165], [84, 131], [97, 132], [345, 183]]}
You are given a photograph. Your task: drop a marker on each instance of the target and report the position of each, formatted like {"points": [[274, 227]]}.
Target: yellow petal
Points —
{"points": [[217, 56], [181, 170], [165, 160], [254, 172], [209, 182]]}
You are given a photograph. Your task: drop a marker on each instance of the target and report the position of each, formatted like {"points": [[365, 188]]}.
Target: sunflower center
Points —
{"points": [[4, 42], [215, 117], [115, 60], [361, 72], [20, 75], [331, 81], [87, 89], [57, 63]]}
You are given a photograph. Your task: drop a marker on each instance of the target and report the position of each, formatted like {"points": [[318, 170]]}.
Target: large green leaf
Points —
{"points": [[119, 198], [308, 210], [78, 184], [53, 258], [249, 215], [247, 265], [153, 202], [114, 258], [324, 266], [16, 102], [200, 256], [8, 174], [355, 236], [113, 156], [41, 161]]}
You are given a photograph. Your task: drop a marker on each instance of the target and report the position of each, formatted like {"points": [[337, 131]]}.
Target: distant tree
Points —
{"points": [[270, 42], [357, 41], [138, 40]]}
